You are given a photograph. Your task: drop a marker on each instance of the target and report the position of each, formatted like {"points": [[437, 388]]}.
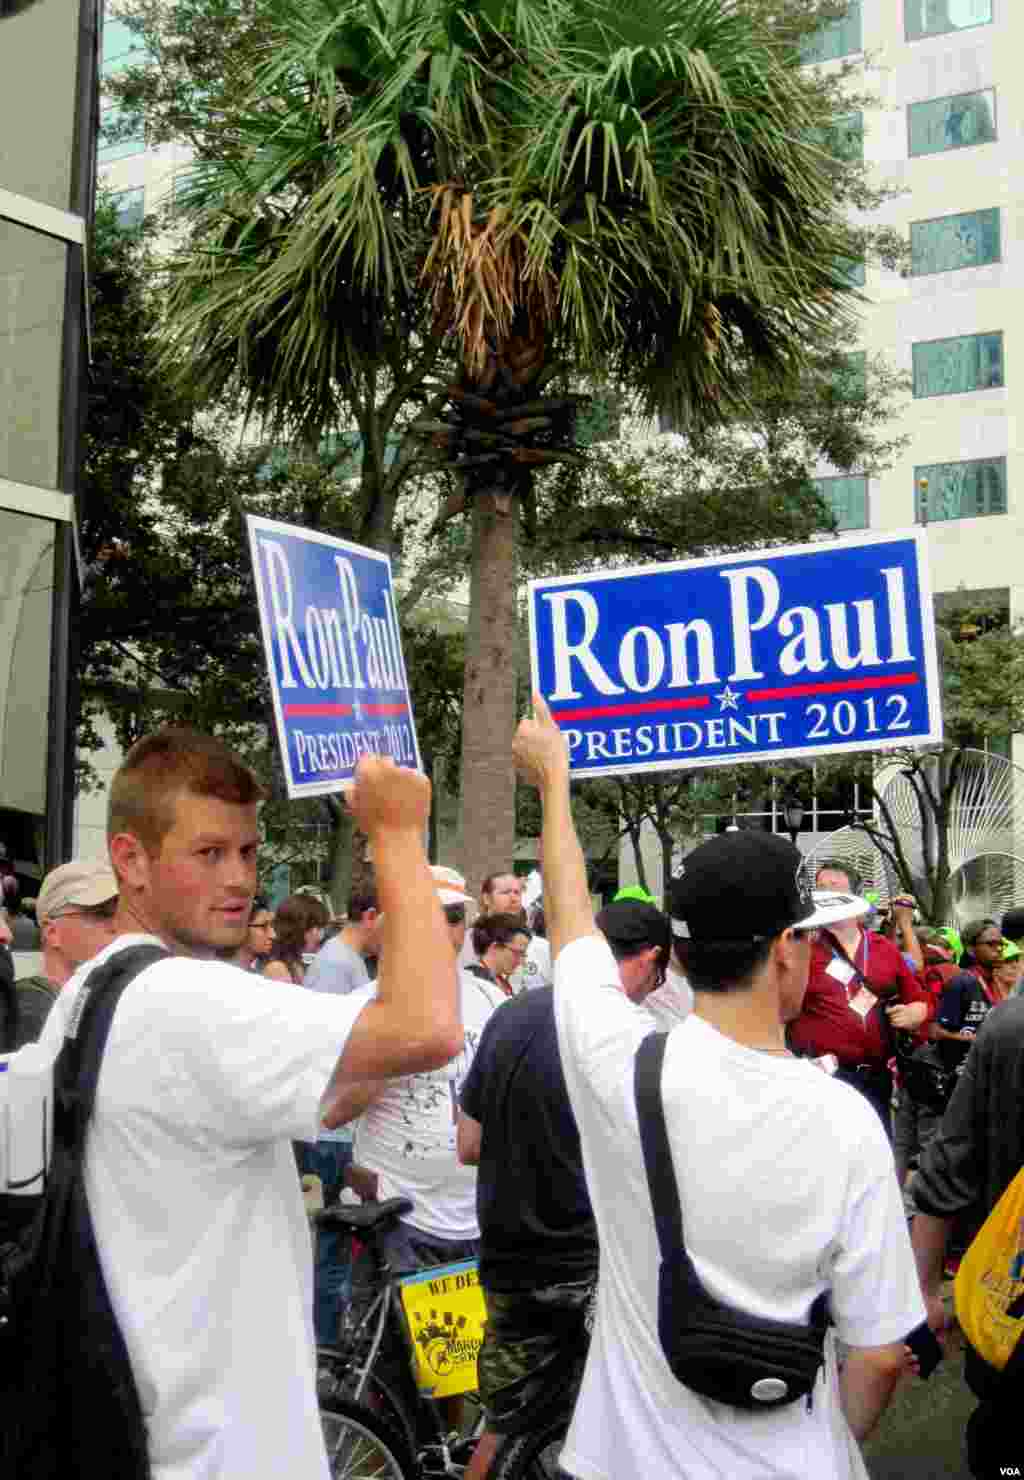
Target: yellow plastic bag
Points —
{"points": [[446, 1314], [989, 1287]]}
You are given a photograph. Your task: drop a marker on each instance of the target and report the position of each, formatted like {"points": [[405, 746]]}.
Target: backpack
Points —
{"points": [[68, 1402], [989, 1287]]}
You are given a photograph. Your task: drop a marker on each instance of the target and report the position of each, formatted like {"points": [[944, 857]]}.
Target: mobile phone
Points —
{"points": [[925, 1346]]}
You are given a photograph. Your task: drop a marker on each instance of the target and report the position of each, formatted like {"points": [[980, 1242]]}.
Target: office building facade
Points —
{"points": [[48, 101], [947, 134]]}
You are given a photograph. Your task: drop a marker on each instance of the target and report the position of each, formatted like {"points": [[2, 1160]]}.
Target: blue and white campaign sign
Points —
{"points": [[780, 654], [334, 655]]}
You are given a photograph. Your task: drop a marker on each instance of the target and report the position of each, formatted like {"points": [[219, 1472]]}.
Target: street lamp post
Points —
{"points": [[793, 811]]}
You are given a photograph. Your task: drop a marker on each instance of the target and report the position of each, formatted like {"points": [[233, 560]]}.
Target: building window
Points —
{"points": [[951, 242], [121, 135], [937, 17], [130, 206], [847, 498], [122, 47], [851, 377], [961, 490], [843, 137], [942, 124], [948, 367], [838, 38], [851, 271]]}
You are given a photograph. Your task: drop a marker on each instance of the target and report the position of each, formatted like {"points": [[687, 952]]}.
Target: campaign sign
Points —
{"points": [[330, 633], [784, 653]]}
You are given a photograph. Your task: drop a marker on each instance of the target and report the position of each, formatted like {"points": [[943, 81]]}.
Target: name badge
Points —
{"points": [[863, 1002], [840, 970]]}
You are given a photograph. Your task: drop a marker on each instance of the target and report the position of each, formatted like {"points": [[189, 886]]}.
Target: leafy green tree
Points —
{"points": [[562, 184], [169, 630]]}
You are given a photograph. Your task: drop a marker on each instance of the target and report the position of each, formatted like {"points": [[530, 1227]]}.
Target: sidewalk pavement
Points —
{"points": [[921, 1436]]}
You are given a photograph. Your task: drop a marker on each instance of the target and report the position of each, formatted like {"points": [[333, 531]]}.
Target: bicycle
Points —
{"points": [[377, 1422]]}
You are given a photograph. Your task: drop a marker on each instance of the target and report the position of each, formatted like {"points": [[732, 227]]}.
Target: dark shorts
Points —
{"points": [[535, 1344], [408, 1249]]}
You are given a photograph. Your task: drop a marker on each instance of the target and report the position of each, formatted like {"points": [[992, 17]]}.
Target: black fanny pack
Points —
{"points": [[712, 1348]]}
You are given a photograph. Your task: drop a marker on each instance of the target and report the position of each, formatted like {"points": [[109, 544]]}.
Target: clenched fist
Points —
{"points": [[386, 795], [539, 749]]}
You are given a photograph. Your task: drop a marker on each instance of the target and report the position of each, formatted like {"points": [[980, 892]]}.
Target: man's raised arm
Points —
{"points": [[414, 1022], [542, 758]]}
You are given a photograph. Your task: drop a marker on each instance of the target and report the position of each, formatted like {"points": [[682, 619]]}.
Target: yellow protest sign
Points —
{"points": [[446, 1314]]}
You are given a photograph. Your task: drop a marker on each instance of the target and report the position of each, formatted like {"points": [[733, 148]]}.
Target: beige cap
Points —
{"points": [[451, 886], [82, 883]]}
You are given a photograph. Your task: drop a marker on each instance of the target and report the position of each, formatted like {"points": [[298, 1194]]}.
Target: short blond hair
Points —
{"points": [[171, 763]]}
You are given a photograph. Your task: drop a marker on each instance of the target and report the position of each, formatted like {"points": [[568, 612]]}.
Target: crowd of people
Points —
{"points": [[483, 1068]]}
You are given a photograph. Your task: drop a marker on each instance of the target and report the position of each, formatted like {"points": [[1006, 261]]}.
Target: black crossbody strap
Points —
{"points": [[661, 1177], [78, 1066]]}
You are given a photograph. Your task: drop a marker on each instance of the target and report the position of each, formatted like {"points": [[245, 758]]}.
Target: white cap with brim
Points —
{"points": [[83, 883], [451, 886], [831, 907]]}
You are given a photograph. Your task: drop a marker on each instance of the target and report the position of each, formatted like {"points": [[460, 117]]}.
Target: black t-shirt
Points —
{"points": [[536, 1223], [963, 1007]]}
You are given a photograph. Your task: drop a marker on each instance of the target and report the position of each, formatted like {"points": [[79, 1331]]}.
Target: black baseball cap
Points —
{"points": [[634, 923], [750, 886], [1012, 925]]}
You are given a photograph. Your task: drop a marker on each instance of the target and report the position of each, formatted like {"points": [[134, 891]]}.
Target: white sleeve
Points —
{"points": [[258, 1054], [599, 1029], [876, 1296]]}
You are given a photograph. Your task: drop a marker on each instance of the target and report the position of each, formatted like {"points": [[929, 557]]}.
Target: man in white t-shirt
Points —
{"points": [[405, 1146], [785, 1177], [208, 1075]]}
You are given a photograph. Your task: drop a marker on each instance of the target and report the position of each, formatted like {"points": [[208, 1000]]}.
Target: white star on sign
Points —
{"points": [[728, 698]]}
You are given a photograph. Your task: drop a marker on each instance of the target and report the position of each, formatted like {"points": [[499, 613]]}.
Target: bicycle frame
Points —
{"points": [[436, 1456]]}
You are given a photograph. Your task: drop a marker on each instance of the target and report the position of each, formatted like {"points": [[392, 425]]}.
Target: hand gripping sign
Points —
{"points": [[334, 655], [784, 653]]}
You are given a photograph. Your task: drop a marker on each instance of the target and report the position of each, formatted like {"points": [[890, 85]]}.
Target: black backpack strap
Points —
{"points": [[77, 1070], [661, 1177]]}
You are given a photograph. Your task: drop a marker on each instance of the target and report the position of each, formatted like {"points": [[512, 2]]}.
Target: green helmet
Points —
{"points": [[952, 939], [633, 891]]}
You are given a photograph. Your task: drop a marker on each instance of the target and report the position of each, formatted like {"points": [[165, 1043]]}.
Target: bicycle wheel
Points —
{"points": [[336, 1380], [361, 1446], [532, 1456]]}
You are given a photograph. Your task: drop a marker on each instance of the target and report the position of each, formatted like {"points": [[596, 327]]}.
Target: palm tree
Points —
{"points": [[455, 206]]}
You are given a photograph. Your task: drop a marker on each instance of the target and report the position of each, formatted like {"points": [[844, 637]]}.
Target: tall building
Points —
{"points": [[48, 93], [947, 133]]}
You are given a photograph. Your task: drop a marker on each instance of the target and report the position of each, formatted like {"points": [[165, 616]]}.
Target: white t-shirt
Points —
{"points": [[208, 1075], [672, 1002], [536, 968], [408, 1135], [787, 1187]]}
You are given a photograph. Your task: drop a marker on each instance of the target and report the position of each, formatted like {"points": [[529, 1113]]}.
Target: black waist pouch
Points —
{"points": [[717, 1351]]}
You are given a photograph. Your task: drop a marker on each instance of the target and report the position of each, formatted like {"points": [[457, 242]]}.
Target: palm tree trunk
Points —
{"points": [[487, 810]]}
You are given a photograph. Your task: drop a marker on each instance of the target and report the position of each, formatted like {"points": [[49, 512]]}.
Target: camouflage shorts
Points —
{"points": [[534, 1347]]}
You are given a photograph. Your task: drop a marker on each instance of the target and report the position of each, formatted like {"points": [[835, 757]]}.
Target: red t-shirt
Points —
{"points": [[828, 1024]]}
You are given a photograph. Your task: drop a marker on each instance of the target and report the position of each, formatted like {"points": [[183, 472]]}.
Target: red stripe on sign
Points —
{"points": [[841, 686], [315, 711], [610, 711], [385, 709]]}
